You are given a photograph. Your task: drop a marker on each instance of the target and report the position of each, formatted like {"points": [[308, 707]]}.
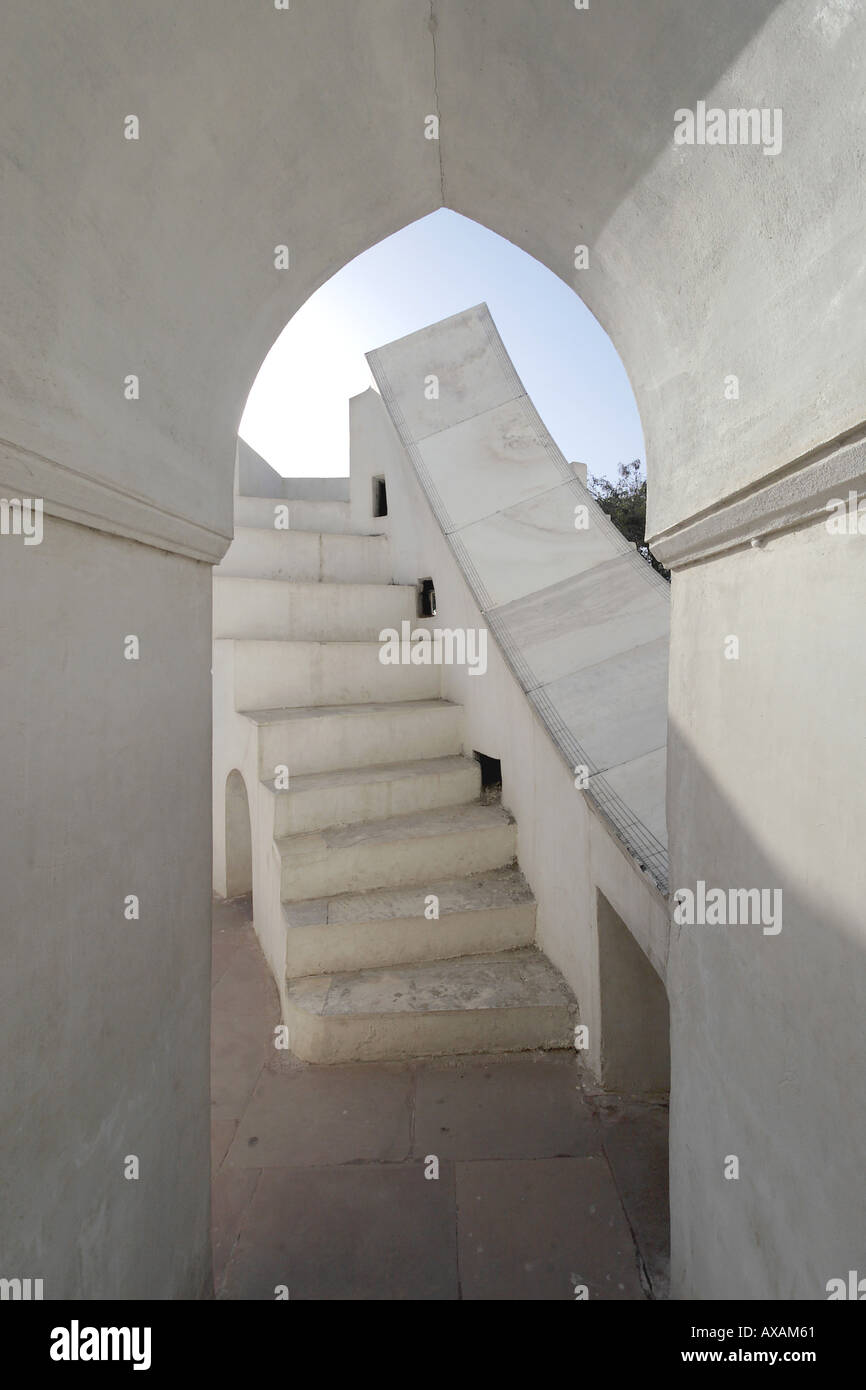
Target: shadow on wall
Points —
{"points": [[763, 1069]]}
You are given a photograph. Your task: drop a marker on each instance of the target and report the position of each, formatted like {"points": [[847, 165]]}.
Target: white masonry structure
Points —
{"points": [[177, 183], [391, 902]]}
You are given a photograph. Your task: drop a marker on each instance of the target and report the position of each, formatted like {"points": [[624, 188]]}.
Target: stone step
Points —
{"points": [[493, 911], [268, 673], [306, 556], [324, 738], [269, 513], [505, 1002], [317, 800], [302, 611], [414, 849]]}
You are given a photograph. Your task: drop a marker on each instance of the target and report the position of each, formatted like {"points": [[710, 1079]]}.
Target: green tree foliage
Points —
{"points": [[625, 503]]}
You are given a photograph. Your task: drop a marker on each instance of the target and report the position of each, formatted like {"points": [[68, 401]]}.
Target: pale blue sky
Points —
{"points": [[297, 412]]}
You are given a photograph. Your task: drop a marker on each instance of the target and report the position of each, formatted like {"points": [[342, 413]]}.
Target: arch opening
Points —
{"points": [[635, 1018], [296, 410], [238, 833], [344, 861]]}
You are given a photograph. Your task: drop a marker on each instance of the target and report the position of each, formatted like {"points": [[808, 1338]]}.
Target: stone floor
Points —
{"points": [[319, 1185]]}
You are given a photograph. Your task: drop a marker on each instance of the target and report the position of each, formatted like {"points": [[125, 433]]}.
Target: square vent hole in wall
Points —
{"points": [[491, 777], [426, 599], [380, 497]]}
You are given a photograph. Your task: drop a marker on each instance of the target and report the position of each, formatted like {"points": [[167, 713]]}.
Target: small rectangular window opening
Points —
{"points": [[426, 599], [491, 771], [380, 497]]}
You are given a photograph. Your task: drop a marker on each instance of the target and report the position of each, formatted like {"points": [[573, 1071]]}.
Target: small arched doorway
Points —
{"points": [[239, 850]]}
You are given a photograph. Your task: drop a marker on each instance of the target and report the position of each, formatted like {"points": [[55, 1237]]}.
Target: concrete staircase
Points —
{"points": [[408, 927]]}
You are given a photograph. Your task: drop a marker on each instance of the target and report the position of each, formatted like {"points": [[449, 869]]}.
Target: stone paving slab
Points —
{"points": [[328, 1115], [523, 1106], [226, 938], [636, 1145], [239, 1049], [231, 1193], [534, 1228], [371, 1231]]}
